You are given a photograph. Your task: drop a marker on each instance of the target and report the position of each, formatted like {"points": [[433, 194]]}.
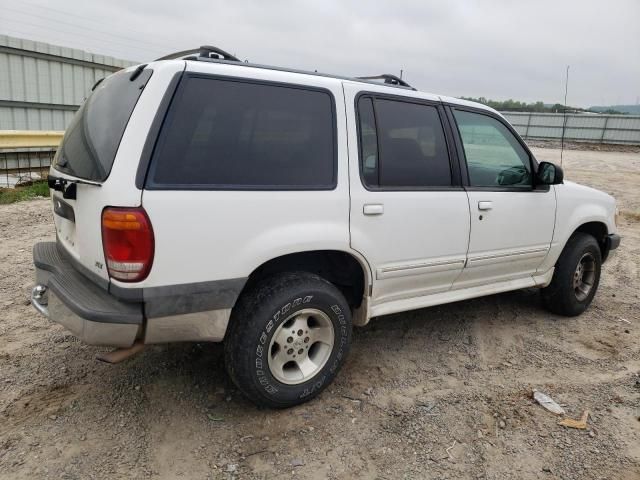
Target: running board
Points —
{"points": [[449, 296]]}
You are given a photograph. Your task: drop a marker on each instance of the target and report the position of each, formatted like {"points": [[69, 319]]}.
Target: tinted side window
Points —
{"points": [[413, 150], [368, 141], [234, 134], [494, 156]]}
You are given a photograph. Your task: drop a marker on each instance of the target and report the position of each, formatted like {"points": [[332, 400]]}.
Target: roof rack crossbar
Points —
{"points": [[205, 51], [388, 78]]}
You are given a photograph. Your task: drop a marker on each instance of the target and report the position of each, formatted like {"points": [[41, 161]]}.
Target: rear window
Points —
{"points": [[234, 134], [91, 141]]}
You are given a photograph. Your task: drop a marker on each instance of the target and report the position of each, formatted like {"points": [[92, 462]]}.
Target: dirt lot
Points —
{"points": [[439, 393]]}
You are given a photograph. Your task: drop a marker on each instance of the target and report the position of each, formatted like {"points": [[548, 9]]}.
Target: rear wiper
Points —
{"points": [[68, 185], [96, 84], [136, 73]]}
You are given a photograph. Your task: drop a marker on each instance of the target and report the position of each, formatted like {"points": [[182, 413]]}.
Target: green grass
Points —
{"points": [[25, 192]]}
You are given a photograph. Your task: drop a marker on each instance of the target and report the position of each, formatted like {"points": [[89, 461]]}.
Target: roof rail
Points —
{"points": [[205, 51], [220, 56], [388, 78]]}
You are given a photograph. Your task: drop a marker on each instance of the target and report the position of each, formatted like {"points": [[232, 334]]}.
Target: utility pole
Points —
{"points": [[564, 120]]}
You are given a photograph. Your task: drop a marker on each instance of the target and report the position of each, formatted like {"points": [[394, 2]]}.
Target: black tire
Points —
{"points": [[561, 296], [255, 320]]}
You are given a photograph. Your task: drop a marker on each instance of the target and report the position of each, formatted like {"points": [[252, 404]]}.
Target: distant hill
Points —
{"points": [[630, 109]]}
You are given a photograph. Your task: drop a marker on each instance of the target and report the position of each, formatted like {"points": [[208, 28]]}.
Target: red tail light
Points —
{"points": [[127, 239]]}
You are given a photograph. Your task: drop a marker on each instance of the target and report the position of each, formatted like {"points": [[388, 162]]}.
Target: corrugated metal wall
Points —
{"points": [[579, 127], [42, 85]]}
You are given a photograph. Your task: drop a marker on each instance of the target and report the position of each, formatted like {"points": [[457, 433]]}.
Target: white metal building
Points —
{"points": [[42, 85]]}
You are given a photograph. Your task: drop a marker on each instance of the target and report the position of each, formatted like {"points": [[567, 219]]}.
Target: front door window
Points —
{"points": [[494, 156]]}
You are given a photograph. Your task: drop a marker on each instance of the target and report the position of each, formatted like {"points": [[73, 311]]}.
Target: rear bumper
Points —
{"points": [[67, 297]]}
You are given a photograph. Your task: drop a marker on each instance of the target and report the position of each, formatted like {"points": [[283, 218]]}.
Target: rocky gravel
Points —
{"points": [[443, 392]]}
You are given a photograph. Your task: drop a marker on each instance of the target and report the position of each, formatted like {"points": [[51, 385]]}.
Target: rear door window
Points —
{"points": [[368, 142], [235, 134], [91, 141], [402, 145]]}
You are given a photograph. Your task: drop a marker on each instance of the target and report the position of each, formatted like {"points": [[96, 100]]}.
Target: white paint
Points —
{"points": [[83, 239], [417, 248], [512, 239], [415, 302]]}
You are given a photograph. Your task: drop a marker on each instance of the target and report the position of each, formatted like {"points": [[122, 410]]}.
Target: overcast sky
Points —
{"points": [[496, 49]]}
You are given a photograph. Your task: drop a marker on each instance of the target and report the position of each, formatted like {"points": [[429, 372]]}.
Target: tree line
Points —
{"points": [[539, 107]]}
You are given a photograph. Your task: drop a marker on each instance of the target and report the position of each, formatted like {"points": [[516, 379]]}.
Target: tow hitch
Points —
{"points": [[39, 299]]}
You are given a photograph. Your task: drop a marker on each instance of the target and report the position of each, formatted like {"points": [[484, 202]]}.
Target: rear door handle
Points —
{"points": [[485, 205], [373, 209]]}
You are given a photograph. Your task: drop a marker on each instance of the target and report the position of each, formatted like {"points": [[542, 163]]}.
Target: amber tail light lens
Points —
{"points": [[127, 239]]}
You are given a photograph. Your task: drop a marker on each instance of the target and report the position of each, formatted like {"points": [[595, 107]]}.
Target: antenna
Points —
{"points": [[388, 79], [564, 120]]}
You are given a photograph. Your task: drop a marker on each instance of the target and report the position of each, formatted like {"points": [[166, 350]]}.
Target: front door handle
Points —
{"points": [[373, 209], [485, 205]]}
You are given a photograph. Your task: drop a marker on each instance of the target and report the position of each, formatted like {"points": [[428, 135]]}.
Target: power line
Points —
{"points": [[107, 42], [62, 41], [137, 40], [64, 12], [128, 45]]}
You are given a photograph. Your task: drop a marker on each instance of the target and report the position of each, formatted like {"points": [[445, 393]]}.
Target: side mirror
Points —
{"points": [[549, 174]]}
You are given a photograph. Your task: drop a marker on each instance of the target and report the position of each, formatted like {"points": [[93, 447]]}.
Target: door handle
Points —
{"points": [[485, 205], [373, 209]]}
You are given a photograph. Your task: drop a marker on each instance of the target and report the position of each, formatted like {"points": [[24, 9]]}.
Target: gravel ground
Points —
{"points": [[443, 392]]}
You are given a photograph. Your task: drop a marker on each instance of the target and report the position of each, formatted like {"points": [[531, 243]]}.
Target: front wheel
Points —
{"points": [[287, 338], [576, 277]]}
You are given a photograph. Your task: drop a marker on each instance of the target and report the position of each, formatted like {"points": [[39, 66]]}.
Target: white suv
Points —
{"points": [[201, 199]]}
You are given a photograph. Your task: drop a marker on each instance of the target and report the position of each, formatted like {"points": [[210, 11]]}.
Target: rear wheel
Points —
{"points": [[288, 336], [576, 277]]}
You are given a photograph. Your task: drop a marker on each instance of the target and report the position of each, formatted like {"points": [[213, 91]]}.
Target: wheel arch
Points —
{"points": [[347, 270], [599, 231]]}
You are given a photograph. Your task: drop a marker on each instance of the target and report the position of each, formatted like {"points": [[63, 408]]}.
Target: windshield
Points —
{"points": [[91, 141]]}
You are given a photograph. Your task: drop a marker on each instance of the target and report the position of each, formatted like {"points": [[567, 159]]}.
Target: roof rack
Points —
{"points": [[205, 51], [208, 53], [388, 78]]}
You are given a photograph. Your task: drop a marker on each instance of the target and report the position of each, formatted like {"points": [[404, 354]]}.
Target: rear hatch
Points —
{"points": [[83, 164]]}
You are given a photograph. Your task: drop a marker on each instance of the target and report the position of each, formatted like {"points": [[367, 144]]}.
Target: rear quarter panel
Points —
{"points": [[224, 234], [119, 188]]}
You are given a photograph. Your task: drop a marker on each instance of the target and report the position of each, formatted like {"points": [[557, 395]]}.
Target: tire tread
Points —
{"points": [[559, 297], [244, 319]]}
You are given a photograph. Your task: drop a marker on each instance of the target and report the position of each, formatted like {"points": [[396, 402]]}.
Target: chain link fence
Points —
{"points": [[24, 167], [25, 156]]}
